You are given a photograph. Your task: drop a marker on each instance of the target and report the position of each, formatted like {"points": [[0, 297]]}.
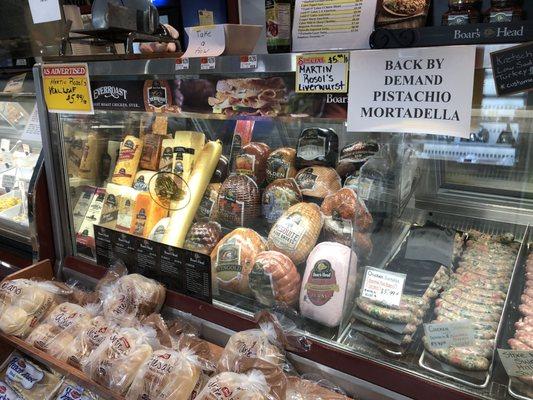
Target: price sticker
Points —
{"points": [[382, 286], [67, 88], [248, 62], [517, 362], [205, 41], [449, 334], [8, 181], [182, 64], [322, 73], [207, 63]]}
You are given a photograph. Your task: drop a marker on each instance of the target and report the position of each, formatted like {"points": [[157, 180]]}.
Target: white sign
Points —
{"points": [[182, 64], [207, 63], [449, 334], [5, 145], [383, 286], [44, 11], [14, 85], [517, 362], [248, 62], [419, 90], [332, 24], [205, 41], [32, 130], [8, 181], [322, 73]]}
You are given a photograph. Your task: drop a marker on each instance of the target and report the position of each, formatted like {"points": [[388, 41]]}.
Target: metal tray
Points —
{"points": [[512, 389]]}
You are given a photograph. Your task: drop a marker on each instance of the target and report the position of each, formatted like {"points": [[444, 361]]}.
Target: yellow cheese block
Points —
{"points": [[187, 145], [128, 161], [145, 215], [167, 155]]}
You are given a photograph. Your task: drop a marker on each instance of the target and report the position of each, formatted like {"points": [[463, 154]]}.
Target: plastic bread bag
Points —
{"points": [[115, 362], [7, 392], [71, 391], [234, 386], [199, 347], [200, 384], [166, 374], [274, 376], [61, 327], [313, 388], [29, 379]]}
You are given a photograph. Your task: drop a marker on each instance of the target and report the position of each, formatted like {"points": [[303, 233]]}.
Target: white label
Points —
{"points": [[207, 63], [383, 286], [14, 85], [4, 144], [449, 334], [322, 73], [182, 64], [205, 41], [419, 90], [44, 11], [248, 62], [332, 24], [32, 130], [517, 362]]}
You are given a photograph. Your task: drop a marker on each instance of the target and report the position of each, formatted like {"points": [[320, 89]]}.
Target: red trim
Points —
{"points": [[381, 375], [10, 257]]}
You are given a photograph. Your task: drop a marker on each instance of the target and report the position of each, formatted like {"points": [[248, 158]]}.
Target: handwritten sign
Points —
{"points": [[205, 41], [182, 64], [322, 73], [513, 69], [14, 85], [517, 362], [248, 62], [44, 11], [67, 88], [449, 334], [383, 286], [32, 130]]}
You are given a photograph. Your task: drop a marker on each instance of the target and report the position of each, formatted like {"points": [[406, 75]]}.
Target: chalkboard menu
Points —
{"points": [[513, 69], [180, 270]]}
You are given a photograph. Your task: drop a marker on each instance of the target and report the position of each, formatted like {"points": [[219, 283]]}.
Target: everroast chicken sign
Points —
{"points": [[422, 90]]}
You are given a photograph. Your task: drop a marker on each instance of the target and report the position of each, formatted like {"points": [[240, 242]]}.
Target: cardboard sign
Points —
{"points": [[513, 69], [383, 286], [44, 11], [322, 73], [449, 334], [332, 24], [517, 362], [205, 41], [67, 88], [415, 90], [14, 85]]}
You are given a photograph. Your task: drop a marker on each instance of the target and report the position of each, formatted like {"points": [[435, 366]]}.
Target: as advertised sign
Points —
{"points": [[418, 90], [67, 88], [322, 73]]}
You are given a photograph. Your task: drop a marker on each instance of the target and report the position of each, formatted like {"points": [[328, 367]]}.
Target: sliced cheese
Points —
{"points": [[128, 161], [145, 215]]}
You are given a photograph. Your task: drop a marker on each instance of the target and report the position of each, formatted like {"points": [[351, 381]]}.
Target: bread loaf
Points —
{"points": [[232, 260], [203, 237], [281, 164], [128, 161], [252, 161], [274, 278], [233, 386], [296, 232], [239, 202], [318, 181], [278, 197]]}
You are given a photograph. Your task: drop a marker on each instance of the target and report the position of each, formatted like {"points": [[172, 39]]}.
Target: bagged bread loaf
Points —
{"points": [[233, 386], [7, 392], [203, 237], [239, 201], [232, 260], [281, 164], [278, 197], [296, 231], [72, 391], [252, 161], [318, 181], [167, 374], [315, 389], [274, 375]]}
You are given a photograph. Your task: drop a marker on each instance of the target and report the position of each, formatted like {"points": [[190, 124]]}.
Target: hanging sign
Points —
{"points": [[205, 41], [517, 362], [418, 90], [383, 286], [67, 88], [444, 335], [513, 69], [322, 73]]}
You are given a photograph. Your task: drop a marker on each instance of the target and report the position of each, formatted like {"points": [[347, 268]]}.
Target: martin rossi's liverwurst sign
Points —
{"points": [[422, 90]]}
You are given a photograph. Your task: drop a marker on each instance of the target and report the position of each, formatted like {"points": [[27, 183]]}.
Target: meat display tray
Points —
{"points": [[478, 379], [516, 389]]}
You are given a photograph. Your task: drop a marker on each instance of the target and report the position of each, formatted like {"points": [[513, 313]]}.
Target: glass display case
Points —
{"points": [[368, 240]]}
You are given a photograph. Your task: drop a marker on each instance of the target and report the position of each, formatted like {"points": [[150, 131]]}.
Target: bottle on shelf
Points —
{"points": [[278, 19], [504, 11], [462, 12]]}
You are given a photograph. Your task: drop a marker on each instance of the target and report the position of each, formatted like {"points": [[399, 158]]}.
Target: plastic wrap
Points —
{"points": [[278, 197], [252, 161], [346, 206], [274, 376], [72, 391], [281, 164], [239, 201], [318, 181], [233, 386], [313, 388], [7, 392], [203, 237]]}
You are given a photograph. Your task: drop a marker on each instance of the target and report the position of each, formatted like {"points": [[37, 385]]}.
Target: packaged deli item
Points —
{"points": [[142, 180], [278, 197], [318, 181], [208, 205], [166, 374], [146, 214], [126, 205], [317, 146], [274, 278], [90, 158], [296, 231], [159, 229], [7, 392], [281, 164], [72, 391], [160, 125], [239, 201], [167, 155], [358, 151], [82, 205], [329, 274], [363, 243], [203, 237], [187, 146], [232, 260], [230, 385], [151, 152], [30, 380], [109, 160], [128, 161], [347, 207], [252, 161], [221, 171]]}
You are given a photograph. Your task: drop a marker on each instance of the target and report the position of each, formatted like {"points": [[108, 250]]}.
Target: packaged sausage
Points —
{"points": [[252, 161], [230, 385], [128, 161], [318, 181], [203, 237], [278, 197], [281, 164], [151, 152], [239, 202]]}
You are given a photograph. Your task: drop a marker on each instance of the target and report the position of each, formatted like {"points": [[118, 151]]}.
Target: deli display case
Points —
{"points": [[228, 186]]}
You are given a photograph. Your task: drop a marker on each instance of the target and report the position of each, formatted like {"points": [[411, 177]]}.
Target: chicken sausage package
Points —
{"points": [[24, 303], [166, 374], [234, 386], [115, 362]]}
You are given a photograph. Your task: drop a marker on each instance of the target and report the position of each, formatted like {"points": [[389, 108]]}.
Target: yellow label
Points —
{"points": [[322, 73], [67, 88]]}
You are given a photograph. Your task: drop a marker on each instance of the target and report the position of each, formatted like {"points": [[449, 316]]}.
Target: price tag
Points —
{"points": [[449, 334], [44, 11], [205, 41], [8, 181], [322, 73], [517, 362], [14, 85], [67, 88], [383, 286], [207, 63], [248, 62], [4, 145], [182, 64]]}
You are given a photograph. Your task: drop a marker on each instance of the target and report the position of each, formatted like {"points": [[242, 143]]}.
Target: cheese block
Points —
{"points": [[146, 214], [85, 235], [327, 283], [208, 205], [281, 164], [111, 203], [318, 181], [232, 260], [142, 180], [82, 205], [74, 150], [239, 202], [274, 279], [159, 229], [91, 157], [203, 237], [126, 204], [128, 161], [187, 145], [252, 161], [296, 231], [151, 152], [167, 155], [278, 197]]}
